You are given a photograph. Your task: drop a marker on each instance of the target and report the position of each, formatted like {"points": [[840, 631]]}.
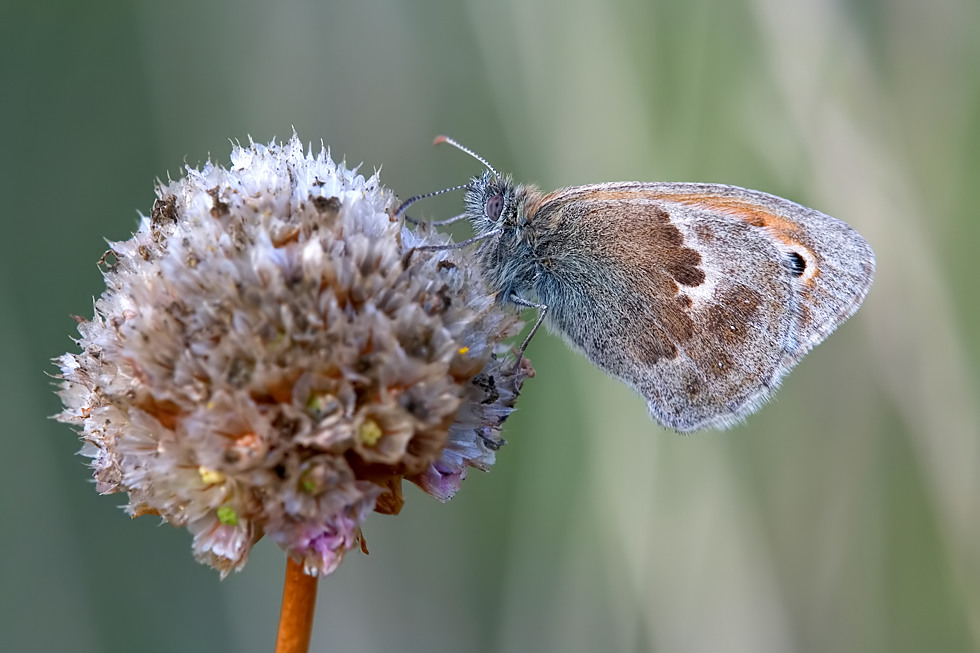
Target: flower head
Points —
{"points": [[273, 355]]}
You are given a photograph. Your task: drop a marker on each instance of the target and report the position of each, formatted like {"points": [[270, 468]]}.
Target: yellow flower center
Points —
{"points": [[370, 432], [210, 476]]}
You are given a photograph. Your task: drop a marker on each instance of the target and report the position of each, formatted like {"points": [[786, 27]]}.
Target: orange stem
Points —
{"points": [[298, 604]]}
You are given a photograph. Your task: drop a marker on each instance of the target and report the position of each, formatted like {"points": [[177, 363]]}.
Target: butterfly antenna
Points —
{"points": [[412, 200], [445, 139]]}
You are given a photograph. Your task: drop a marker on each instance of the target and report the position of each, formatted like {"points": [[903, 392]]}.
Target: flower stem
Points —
{"points": [[298, 605]]}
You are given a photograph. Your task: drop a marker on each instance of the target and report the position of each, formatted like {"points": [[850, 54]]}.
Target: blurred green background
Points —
{"points": [[843, 517]]}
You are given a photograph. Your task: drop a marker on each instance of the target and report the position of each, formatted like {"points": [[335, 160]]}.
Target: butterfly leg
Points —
{"points": [[542, 311]]}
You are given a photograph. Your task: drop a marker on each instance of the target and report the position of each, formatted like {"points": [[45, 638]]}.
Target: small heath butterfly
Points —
{"points": [[700, 297]]}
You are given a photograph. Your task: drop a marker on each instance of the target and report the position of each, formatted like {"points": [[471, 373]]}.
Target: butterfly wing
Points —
{"points": [[699, 296]]}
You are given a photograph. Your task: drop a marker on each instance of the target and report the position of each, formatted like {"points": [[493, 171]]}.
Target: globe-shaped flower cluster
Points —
{"points": [[273, 355]]}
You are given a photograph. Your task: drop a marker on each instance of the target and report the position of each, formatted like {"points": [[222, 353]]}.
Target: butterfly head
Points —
{"points": [[492, 202]]}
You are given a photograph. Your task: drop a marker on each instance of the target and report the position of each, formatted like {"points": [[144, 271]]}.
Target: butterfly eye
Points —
{"points": [[495, 205]]}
